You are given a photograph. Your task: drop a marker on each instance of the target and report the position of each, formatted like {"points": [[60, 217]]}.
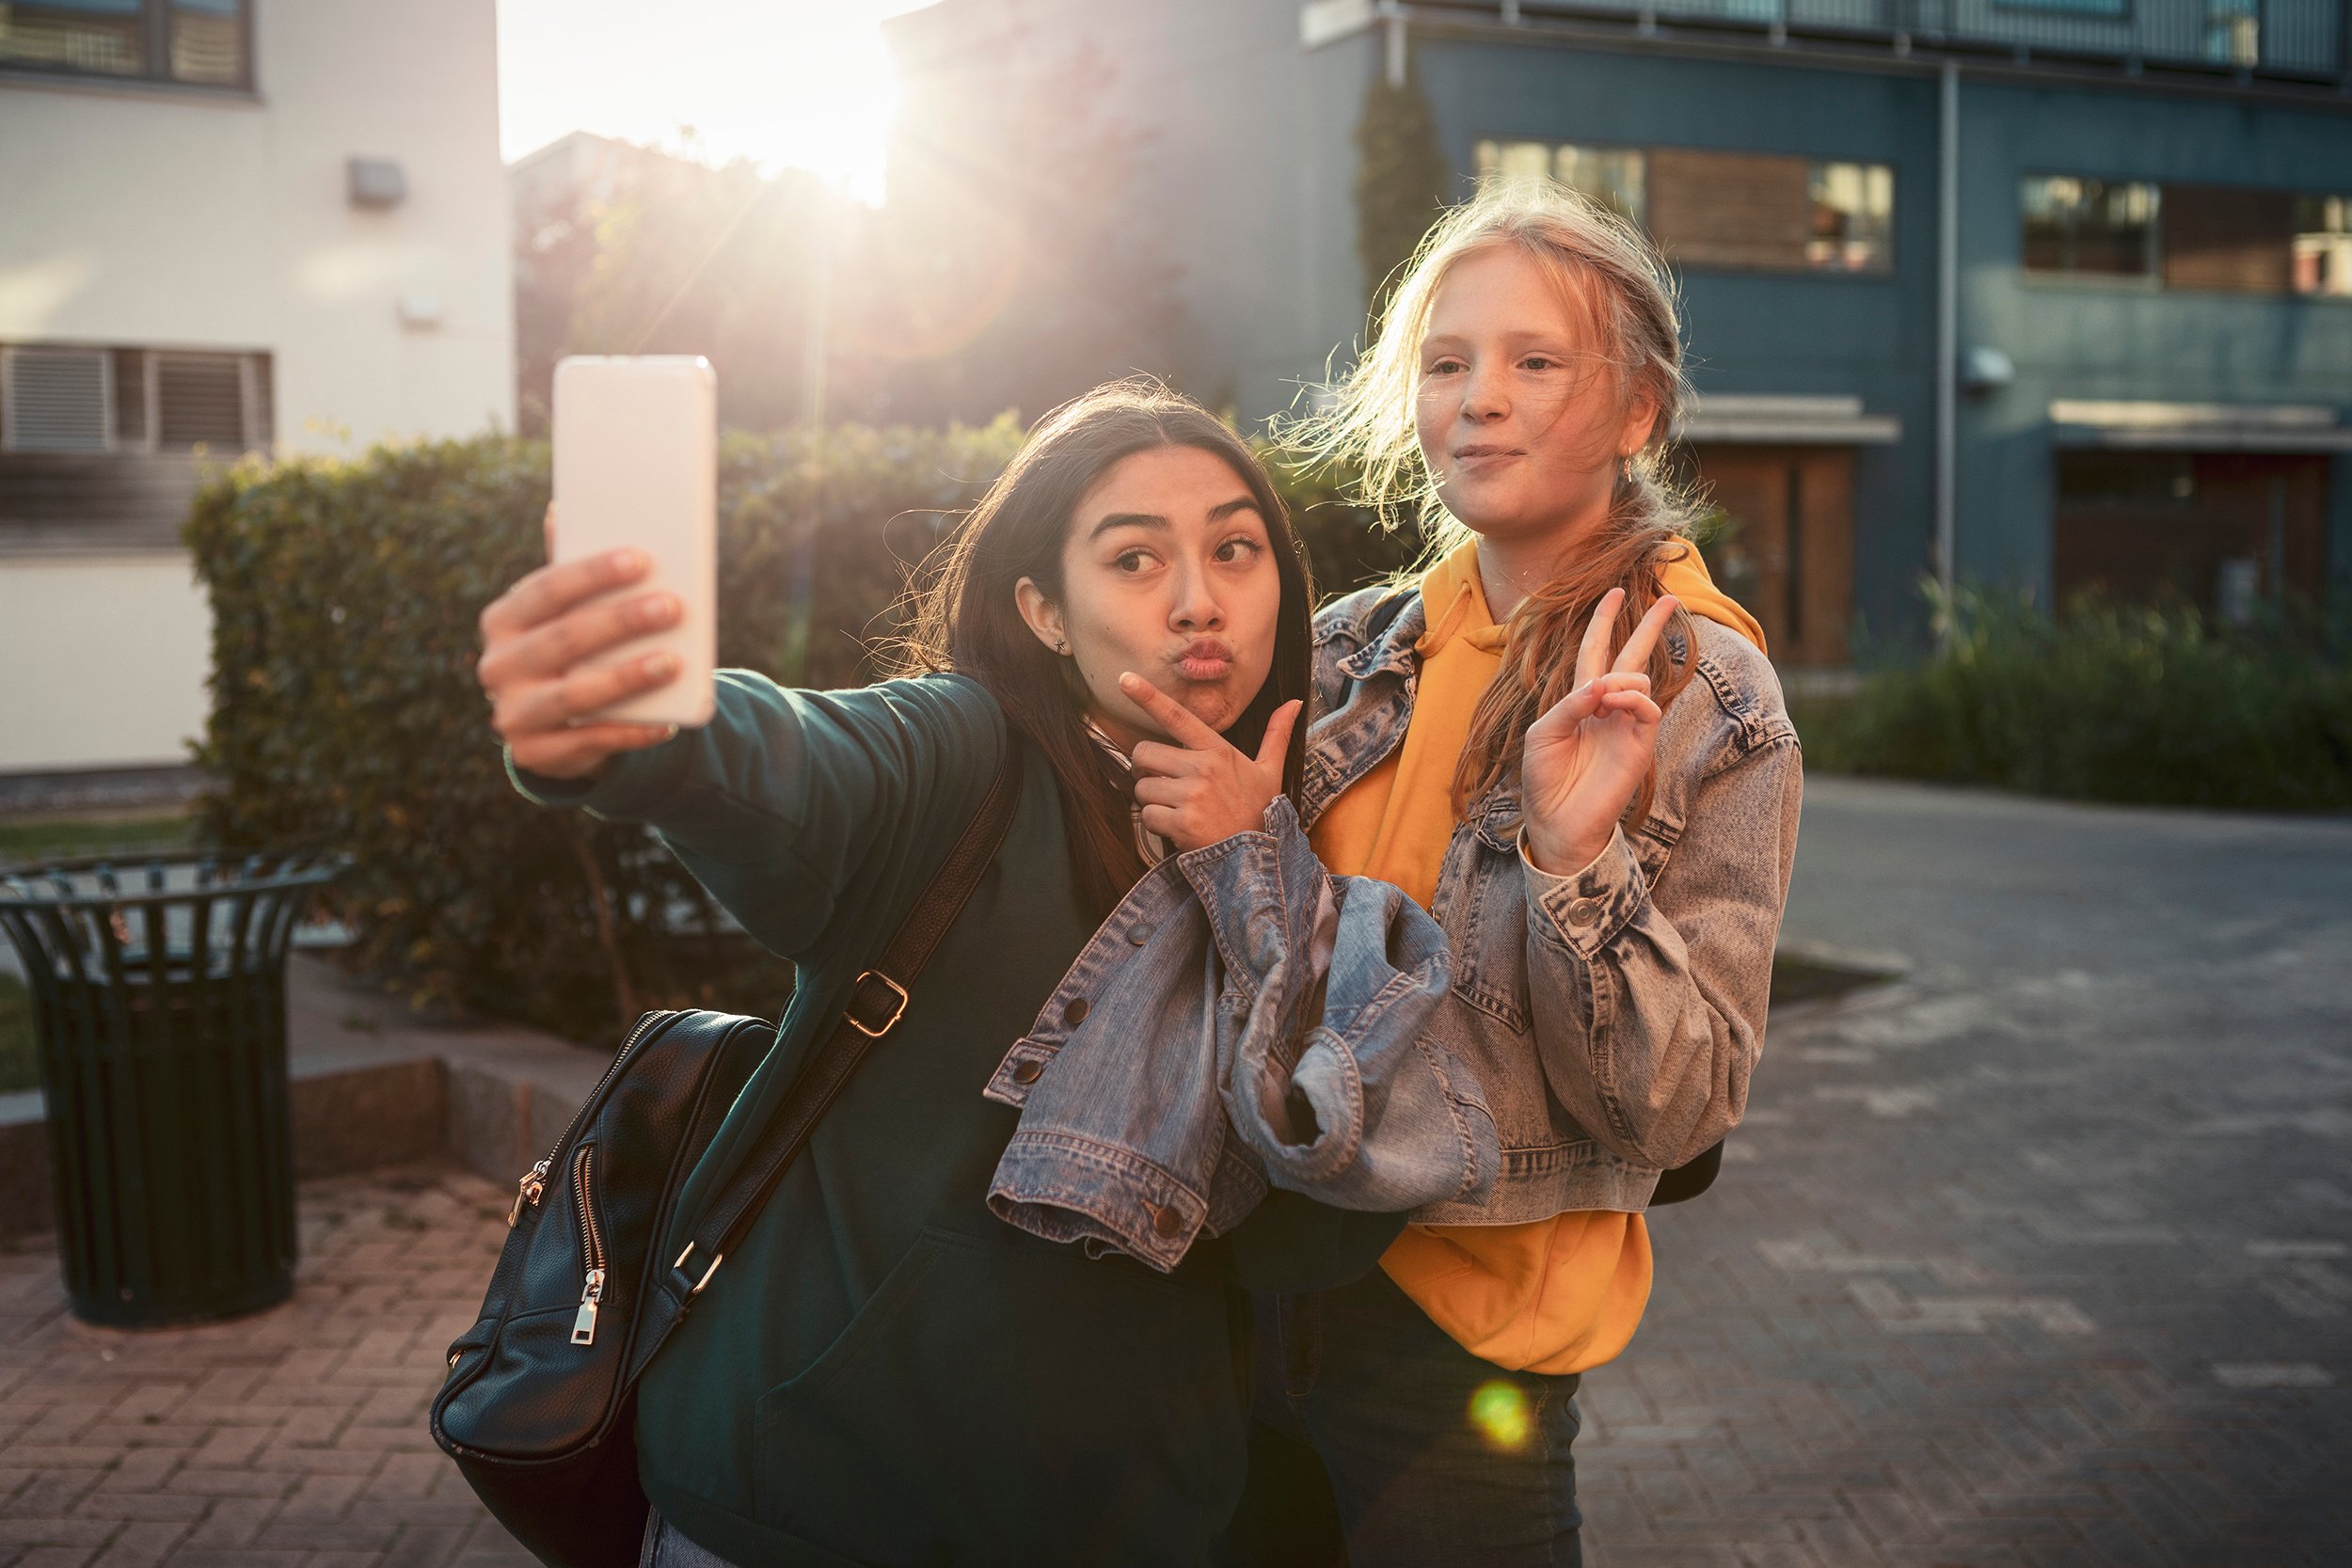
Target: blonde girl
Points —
{"points": [[1569, 747]]}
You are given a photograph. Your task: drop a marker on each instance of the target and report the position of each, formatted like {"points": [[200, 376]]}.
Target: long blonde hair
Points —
{"points": [[1607, 268]]}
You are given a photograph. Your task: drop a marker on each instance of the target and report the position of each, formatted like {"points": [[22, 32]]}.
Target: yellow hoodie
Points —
{"points": [[1557, 1295]]}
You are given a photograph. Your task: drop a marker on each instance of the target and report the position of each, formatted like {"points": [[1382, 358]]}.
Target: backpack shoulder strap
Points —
{"points": [[876, 1003]]}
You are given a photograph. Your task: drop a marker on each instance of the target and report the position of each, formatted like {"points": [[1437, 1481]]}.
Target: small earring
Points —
{"points": [[1061, 647]]}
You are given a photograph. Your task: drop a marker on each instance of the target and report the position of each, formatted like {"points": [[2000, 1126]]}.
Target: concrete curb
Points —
{"points": [[371, 1087]]}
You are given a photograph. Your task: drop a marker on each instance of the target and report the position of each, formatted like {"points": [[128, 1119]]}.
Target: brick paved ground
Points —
{"points": [[2040, 1257], [294, 1438], [2037, 1259]]}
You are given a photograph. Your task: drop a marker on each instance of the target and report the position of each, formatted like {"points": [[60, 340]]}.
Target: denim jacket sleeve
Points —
{"points": [[782, 803], [1240, 1019], [1648, 997]]}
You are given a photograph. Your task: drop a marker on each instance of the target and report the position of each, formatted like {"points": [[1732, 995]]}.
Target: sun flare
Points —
{"points": [[787, 84]]}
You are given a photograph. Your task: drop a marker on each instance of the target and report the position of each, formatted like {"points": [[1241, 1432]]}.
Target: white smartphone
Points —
{"points": [[637, 464]]}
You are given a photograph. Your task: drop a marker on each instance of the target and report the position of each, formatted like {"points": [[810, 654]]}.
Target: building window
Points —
{"points": [[198, 43], [2323, 245], [2228, 237], [2233, 33], [1613, 176], [57, 399], [2105, 227], [1854, 217], [1759, 211], [2072, 8]]}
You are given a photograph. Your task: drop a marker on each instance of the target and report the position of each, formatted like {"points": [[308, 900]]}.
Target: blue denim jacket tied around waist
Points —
{"points": [[1239, 992]]}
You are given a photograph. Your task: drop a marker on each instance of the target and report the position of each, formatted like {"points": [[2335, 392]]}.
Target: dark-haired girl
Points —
{"points": [[883, 1373]]}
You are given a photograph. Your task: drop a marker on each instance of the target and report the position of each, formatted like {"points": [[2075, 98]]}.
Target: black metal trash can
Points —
{"points": [[159, 995]]}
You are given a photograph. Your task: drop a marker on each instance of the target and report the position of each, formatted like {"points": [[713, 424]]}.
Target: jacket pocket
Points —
{"points": [[1010, 1403]]}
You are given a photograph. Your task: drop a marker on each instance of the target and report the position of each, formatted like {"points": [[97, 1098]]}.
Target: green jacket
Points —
{"points": [[882, 1372]]}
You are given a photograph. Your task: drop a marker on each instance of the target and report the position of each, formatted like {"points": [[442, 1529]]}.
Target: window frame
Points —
{"points": [[2152, 277], [1647, 152], [2123, 12], [155, 24], [2320, 296], [257, 398], [1552, 146]]}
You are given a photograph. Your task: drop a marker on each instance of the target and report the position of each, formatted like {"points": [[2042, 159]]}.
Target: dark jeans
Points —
{"points": [[1380, 1443]]}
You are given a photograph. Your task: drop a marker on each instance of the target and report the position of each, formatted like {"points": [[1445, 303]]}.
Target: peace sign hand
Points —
{"points": [[1204, 789], [1586, 757]]}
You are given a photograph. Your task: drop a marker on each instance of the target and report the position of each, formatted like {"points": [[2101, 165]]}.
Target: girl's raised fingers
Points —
{"points": [[1592, 655], [1182, 724], [1635, 655], [1275, 746]]}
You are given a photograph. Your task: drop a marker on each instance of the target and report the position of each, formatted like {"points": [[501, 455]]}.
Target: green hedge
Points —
{"points": [[344, 708], [2109, 701]]}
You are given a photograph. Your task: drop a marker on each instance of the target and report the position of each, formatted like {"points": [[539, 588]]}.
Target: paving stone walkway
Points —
{"points": [[2039, 1257], [293, 1437]]}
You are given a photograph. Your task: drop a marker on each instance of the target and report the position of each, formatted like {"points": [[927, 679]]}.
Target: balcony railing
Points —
{"points": [[2303, 39]]}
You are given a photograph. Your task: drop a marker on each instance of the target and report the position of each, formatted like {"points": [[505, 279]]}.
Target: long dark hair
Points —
{"points": [[967, 618]]}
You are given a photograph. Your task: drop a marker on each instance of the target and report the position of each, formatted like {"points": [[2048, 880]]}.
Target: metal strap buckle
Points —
{"points": [[706, 1273], [877, 1031]]}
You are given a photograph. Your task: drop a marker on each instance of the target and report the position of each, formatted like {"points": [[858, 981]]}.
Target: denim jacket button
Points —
{"points": [[1027, 1071], [1075, 1013], [1166, 1221], [1140, 932], [1584, 912]]}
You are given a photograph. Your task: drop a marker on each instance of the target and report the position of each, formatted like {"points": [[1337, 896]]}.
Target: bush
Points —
{"points": [[2109, 701], [344, 708]]}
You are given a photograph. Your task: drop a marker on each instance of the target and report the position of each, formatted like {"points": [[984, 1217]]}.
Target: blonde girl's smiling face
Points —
{"points": [[1518, 408], [1169, 571]]}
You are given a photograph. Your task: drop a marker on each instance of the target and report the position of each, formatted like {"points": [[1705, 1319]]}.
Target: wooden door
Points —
{"points": [[2219, 531], [1785, 544]]}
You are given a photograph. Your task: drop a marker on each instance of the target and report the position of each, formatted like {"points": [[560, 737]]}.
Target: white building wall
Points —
{"points": [[181, 219], [105, 661]]}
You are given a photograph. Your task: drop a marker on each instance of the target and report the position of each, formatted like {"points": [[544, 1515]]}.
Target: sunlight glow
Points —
{"points": [[1501, 1415], [787, 84]]}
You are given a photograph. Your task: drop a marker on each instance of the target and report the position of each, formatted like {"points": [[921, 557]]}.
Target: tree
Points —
{"points": [[659, 254], [1018, 261], [1402, 180]]}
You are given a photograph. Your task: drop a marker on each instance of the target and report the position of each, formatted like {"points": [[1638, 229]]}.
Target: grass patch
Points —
{"points": [[35, 840], [20, 1066], [2147, 704]]}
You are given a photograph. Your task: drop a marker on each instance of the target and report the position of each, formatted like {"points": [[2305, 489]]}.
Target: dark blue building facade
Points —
{"points": [[2053, 293]]}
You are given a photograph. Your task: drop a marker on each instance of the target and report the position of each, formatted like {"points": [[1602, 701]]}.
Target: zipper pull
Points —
{"points": [[534, 1182], [585, 1327]]}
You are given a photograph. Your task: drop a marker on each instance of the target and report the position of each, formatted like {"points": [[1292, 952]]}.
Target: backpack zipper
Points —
{"points": [[591, 1244], [535, 1182]]}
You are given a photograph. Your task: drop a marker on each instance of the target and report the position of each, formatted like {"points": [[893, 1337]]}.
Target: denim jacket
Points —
{"points": [[1240, 1019], [1614, 1017]]}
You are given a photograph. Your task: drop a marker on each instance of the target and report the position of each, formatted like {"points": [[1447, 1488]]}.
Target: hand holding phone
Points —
{"points": [[636, 468], [608, 647]]}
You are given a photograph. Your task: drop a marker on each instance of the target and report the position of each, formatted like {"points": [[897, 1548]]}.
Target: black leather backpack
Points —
{"points": [[539, 1406]]}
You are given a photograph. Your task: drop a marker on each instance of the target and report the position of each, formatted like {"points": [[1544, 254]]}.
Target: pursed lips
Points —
{"points": [[1204, 658]]}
